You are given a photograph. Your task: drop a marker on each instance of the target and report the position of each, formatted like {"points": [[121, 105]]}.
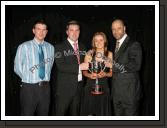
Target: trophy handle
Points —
{"points": [[90, 67], [102, 68]]}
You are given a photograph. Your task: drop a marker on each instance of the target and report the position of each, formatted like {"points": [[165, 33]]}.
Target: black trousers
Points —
{"points": [[124, 108], [66, 105], [35, 99]]}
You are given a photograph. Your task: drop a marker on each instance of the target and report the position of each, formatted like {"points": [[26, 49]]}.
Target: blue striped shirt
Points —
{"points": [[26, 63]]}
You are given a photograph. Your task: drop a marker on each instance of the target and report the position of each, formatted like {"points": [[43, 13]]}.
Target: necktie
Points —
{"points": [[41, 71], [117, 47], [76, 51]]}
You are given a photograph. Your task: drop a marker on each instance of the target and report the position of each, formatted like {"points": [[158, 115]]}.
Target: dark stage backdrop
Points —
{"points": [[140, 26]]}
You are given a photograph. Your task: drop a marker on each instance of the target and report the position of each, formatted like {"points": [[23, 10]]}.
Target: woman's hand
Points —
{"points": [[102, 74], [93, 76]]}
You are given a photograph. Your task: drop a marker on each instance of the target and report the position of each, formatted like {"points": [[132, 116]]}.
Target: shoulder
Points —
{"points": [[132, 41], [90, 53], [135, 45], [88, 56], [25, 44], [60, 45], [49, 44]]}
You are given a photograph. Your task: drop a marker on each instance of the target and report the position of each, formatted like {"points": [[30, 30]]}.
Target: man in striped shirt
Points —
{"points": [[33, 64]]}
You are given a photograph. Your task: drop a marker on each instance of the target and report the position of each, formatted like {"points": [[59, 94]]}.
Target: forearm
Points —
{"points": [[86, 74]]}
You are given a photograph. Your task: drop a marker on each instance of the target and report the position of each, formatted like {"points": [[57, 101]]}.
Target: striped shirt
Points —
{"points": [[26, 63]]}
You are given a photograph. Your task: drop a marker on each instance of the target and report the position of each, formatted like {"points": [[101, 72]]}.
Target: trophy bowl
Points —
{"points": [[96, 67]]}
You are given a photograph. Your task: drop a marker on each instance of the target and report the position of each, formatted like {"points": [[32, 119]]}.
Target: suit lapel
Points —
{"points": [[82, 50], [122, 48], [69, 47]]}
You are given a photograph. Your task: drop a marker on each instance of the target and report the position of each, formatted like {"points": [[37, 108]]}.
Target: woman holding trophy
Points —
{"points": [[96, 97]]}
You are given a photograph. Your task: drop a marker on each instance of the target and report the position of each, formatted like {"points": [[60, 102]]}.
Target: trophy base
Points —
{"points": [[97, 90], [96, 93]]}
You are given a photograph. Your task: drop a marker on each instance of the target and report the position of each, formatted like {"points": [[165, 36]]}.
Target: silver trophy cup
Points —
{"points": [[96, 67]]}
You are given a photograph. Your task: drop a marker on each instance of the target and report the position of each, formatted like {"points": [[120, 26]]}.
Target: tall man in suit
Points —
{"points": [[69, 65], [126, 89]]}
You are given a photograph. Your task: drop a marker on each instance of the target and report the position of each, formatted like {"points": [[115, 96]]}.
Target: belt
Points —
{"points": [[41, 83]]}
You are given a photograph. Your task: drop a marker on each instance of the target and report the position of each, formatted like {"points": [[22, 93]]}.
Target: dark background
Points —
{"points": [[140, 22]]}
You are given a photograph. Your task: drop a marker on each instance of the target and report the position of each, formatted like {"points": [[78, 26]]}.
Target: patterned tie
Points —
{"points": [[76, 51], [117, 47], [41, 71]]}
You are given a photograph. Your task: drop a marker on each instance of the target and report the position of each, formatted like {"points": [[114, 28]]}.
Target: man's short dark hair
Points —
{"points": [[40, 21], [72, 22]]}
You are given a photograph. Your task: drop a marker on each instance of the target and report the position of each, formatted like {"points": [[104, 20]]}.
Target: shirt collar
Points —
{"points": [[37, 42], [71, 42], [122, 39]]}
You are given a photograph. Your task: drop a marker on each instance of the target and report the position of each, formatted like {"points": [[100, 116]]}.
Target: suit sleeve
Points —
{"points": [[61, 64], [134, 59]]}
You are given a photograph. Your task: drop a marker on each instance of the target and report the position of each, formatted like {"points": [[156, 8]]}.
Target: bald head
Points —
{"points": [[118, 29], [118, 21]]}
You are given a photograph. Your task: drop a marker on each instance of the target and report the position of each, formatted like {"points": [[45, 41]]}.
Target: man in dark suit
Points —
{"points": [[126, 89], [69, 57]]}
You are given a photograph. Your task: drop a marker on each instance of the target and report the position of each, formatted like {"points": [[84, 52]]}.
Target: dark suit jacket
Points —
{"points": [[67, 68], [126, 66]]}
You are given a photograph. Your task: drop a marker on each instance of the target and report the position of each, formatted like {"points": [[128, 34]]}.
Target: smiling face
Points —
{"points": [[118, 29], [99, 42], [40, 31], [73, 32]]}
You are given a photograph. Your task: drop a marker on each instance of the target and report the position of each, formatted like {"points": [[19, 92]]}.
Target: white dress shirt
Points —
{"points": [[122, 40]]}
